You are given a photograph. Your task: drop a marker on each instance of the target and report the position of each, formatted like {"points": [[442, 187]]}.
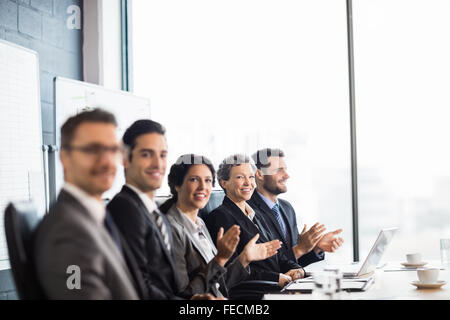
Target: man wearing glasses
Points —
{"points": [[79, 252]]}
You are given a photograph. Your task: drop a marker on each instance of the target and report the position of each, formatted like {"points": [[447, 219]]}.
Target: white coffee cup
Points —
{"points": [[414, 258], [428, 275]]}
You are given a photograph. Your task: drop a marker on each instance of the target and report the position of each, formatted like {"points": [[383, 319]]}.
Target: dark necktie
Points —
{"points": [[111, 227], [277, 214], [162, 228]]}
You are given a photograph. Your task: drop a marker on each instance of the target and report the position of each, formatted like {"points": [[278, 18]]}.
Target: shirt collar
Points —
{"points": [[204, 244], [95, 207], [249, 211], [149, 203], [269, 202], [193, 227]]}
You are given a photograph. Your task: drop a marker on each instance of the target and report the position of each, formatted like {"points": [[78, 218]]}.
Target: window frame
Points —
{"points": [[127, 84]]}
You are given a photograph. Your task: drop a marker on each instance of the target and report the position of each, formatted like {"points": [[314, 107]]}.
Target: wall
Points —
{"points": [[41, 26]]}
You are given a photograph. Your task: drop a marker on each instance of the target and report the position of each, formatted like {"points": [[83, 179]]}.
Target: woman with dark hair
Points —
{"points": [[236, 176], [191, 180]]}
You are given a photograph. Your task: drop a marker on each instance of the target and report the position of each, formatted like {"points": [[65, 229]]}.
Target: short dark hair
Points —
{"points": [[139, 128], [261, 157], [70, 126], [229, 162], [178, 172]]}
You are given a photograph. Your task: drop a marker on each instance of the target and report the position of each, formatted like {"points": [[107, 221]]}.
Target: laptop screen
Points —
{"points": [[376, 253]]}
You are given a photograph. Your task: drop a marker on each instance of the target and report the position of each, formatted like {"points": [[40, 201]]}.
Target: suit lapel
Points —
{"points": [[237, 213], [111, 248], [289, 225], [176, 215], [134, 268], [196, 244], [263, 232], [209, 237], [152, 222], [268, 214], [69, 199]]}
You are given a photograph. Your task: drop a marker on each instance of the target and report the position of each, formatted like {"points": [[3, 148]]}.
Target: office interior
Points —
{"points": [[354, 92]]}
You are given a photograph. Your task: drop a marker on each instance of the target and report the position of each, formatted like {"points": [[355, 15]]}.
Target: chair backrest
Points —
{"points": [[21, 220], [159, 200], [215, 200]]}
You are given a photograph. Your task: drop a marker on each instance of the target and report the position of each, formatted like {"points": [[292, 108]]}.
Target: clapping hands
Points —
{"points": [[226, 244], [258, 251]]}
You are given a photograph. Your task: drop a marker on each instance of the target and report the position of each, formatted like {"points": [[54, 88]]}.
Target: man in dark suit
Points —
{"points": [[144, 227], [277, 268], [236, 177], [78, 251], [308, 246]]}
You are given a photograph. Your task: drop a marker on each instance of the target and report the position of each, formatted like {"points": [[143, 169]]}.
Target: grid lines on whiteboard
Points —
{"points": [[21, 169]]}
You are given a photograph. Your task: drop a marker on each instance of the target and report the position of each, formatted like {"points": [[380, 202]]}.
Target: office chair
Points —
{"points": [[215, 200], [21, 219]]}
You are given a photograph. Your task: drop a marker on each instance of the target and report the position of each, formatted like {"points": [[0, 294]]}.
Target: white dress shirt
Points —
{"points": [[198, 230], [269, 202], [95, 207], [249, 212], [149, 203]]}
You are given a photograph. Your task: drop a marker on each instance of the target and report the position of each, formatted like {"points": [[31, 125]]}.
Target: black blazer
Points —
{"points": [[289, 217], [229, 214], [143, 237], [132, 264]]}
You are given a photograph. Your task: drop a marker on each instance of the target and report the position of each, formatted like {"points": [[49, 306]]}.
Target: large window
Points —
{"points": [[402, 104], [234, 76]]}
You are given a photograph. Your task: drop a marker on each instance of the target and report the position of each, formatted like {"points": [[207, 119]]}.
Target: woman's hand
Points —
{"points": [[258, 251], [226, 244]]}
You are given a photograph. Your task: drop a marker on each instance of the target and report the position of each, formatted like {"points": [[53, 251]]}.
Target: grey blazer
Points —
{"points": [[67, 236], [215, 274]]}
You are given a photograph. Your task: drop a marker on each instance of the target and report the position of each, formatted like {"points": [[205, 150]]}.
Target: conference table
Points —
{"points": [[387, 285]]}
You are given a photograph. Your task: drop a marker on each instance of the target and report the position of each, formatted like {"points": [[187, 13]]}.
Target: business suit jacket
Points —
{"points": [[191, 259], [229, 214], [145, 240], [69, 235], [289, 217]]}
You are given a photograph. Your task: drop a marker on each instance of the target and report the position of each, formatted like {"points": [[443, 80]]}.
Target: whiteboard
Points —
{"points": [[72, 97], [21, 156]]}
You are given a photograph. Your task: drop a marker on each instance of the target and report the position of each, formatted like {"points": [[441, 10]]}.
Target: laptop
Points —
{"points": [[373, 258]]}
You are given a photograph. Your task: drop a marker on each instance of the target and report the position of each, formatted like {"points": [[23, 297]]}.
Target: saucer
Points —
{"points": [[413, 265], [421, 285]]}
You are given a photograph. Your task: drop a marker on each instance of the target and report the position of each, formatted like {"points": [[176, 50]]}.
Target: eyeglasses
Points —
{"points": [[96, 150]]}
